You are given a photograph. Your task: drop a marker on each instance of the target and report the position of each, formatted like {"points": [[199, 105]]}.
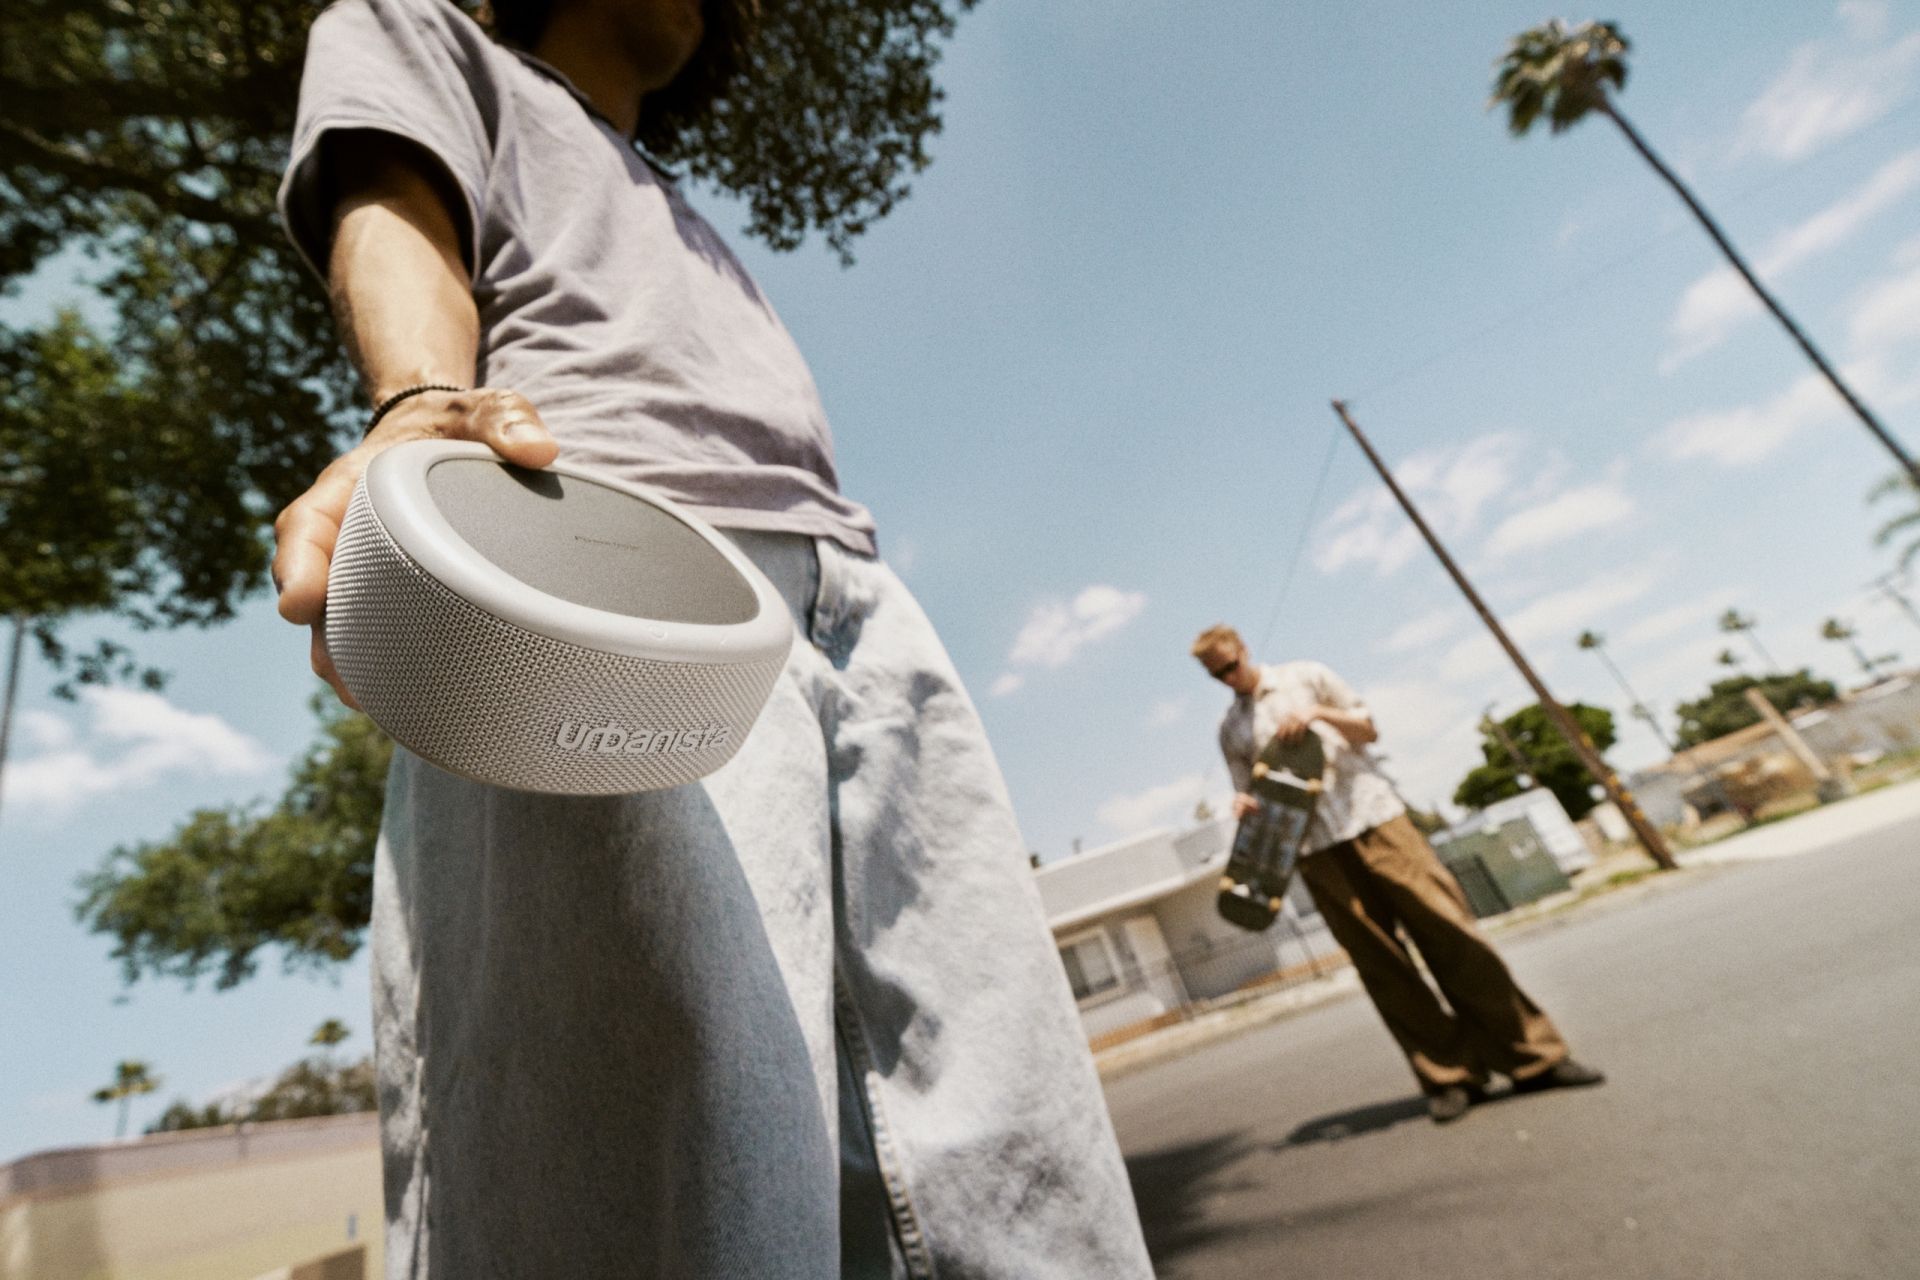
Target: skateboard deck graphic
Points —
{"points": [[1266, 845]]}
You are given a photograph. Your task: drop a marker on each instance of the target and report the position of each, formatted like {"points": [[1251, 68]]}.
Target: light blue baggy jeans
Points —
{"points": [[802, 1019]]}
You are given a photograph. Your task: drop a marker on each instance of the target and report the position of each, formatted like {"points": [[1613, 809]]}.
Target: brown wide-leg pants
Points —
{"points": [[1388, 879]]}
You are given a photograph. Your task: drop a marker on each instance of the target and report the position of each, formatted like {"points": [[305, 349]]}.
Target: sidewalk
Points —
{"points": [[1806, 833], [1816, 828]]}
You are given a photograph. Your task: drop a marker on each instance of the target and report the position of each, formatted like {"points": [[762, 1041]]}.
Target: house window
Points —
{"points": [[1090, 965]]}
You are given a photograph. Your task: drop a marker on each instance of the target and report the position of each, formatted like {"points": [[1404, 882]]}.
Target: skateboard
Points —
{"points": [[1266, 845]]}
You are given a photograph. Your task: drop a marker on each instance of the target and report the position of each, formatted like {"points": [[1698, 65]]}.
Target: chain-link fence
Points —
{"points": [[1213, 973]]}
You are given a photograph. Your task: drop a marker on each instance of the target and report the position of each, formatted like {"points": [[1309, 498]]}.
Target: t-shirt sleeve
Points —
{"points": [[414, 68], [1331, 691]]}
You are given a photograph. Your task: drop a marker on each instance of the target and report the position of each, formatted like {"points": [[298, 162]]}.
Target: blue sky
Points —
{"points": [[1082, 376]]}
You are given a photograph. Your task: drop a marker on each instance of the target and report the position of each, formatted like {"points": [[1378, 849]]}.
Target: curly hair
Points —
{"points": [[683, 104]]}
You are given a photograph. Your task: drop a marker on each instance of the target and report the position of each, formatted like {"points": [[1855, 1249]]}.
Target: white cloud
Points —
{"points": [[1698, 613], [1056, 630], [1451, 487], [1715, 303], [1424, 631], [1554, 616], [44, 730], [1887, 313], [1170, 802], [1167, 711], [1428, 736], [1748, 433], [1883, 326], [135, 739], [1832, 87], [1574, 512], [1407, 708]]}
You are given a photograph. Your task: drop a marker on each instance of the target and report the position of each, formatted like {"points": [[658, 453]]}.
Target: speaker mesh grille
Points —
{"points": [[489, 700]]}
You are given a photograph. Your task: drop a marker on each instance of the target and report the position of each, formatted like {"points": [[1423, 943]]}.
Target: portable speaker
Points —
{"points": [[548, 630]]}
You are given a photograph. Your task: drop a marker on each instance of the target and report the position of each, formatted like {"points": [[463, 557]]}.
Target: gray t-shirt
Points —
{"points": [[603, 297]]}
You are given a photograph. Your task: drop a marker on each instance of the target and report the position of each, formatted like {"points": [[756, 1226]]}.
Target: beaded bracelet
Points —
{"points": [[386, 406]]}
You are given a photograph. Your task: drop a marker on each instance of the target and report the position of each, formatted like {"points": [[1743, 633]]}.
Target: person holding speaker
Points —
{"points": [[1375, 878], [800, 1018]]}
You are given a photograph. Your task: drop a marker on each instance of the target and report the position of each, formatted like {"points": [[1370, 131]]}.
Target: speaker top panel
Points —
{"points": [[570, 537], [570, 554]]}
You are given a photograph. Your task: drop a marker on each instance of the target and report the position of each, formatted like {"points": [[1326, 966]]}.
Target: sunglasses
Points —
{"points": [[1222, 672]]}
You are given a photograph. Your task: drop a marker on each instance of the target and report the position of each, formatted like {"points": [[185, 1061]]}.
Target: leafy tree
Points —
{"points": [[1562, 74], [131, 1079], [1551, 762], [329, 1033], [314, 1086], [181, 1114], [298, 875], [1725, 707], [142, 455]]}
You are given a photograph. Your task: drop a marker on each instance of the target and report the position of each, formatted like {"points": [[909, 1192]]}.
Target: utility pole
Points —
{"points": [[1498, 731], [1649, 836], [13, 687], [1827, 785]]}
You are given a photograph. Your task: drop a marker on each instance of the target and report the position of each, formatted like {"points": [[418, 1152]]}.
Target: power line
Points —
{"points": [[1286, 579], [1306, 532]]}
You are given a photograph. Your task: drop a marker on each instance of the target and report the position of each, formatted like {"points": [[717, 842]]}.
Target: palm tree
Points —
{"points": [[1733, 622], [130, 1079], [1840, 633], [1596, 643], [1563, 74], [1906, 523]]}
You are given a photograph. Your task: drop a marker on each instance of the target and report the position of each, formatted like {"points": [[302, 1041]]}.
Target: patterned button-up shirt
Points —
{"points": [[1358, 796]]}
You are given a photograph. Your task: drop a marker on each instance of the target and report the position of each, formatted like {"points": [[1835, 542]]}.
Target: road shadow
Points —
{"points": [[1355, 1122], [1171, 1187]]}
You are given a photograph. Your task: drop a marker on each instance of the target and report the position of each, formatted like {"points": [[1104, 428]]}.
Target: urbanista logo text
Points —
{"points": [[613, 740]]}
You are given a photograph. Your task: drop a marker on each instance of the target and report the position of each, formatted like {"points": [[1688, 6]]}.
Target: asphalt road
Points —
{"points": [[1760, 1025]]}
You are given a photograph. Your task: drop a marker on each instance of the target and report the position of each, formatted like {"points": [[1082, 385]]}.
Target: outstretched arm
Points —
{"points": [[402, 300], [1355, 725]]}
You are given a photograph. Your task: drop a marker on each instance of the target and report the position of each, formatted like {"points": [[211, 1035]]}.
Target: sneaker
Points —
{"points": [[1564, 1074], [1449, 1104]]}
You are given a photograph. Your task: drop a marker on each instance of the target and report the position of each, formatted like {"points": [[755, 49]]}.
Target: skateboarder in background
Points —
{"points": [[1374, 877]]}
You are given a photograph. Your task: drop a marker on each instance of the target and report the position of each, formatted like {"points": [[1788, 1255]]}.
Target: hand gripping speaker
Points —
{"points": [[547, 630]]}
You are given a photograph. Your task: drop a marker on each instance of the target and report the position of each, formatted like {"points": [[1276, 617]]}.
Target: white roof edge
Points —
{"points": [[1147, 893]]}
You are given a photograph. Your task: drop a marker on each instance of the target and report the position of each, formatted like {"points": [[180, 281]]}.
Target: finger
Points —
{"points": [[506, 422], [324, 668], [304, 537]]}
